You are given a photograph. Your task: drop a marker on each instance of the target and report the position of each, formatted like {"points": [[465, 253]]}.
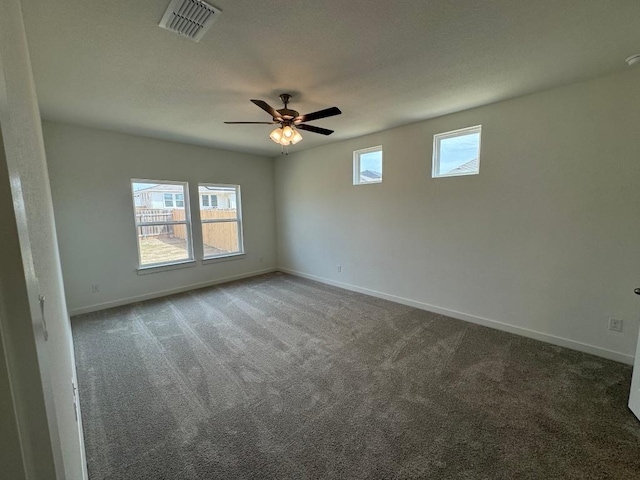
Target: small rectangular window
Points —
{"points": [[205, 200], [457, 153], [367, 166], [163, 227], [221, 224]]}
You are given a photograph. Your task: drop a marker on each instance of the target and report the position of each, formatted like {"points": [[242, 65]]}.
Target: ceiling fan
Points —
{"points": [[290, 121]]}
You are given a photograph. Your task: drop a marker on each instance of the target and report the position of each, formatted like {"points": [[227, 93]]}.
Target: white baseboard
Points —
{"points": [[525, 332], [163, 293]]}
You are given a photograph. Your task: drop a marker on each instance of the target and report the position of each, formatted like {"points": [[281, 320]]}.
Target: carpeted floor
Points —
{"points": [[276, 377]]}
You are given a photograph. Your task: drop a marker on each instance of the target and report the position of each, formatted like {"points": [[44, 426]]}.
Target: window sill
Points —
{"points": [[448, 175], [165, 267], [377, 182], [223, 258]]}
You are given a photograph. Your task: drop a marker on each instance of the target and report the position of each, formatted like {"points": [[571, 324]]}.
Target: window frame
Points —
{"points": [[356, 164], [437, 139], [186, 222], [237, 220]]}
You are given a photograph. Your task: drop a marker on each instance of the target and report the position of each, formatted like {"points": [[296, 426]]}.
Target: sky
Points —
{"points": [[140, 186], [201, 188], [371, 161], [457, 151]]}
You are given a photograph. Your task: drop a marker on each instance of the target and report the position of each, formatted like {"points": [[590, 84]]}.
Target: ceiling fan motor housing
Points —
{"points": [[287, 114]]}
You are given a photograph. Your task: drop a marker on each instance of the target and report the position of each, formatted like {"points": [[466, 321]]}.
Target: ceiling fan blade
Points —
{"points": [[251, 123], [267, 108], [327, 112], [311, 128]]}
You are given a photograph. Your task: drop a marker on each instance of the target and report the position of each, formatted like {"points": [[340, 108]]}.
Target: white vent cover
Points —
{"points": [[190, 18]]}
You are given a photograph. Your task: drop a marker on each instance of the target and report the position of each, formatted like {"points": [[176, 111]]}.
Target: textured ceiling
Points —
{"points": [[107, 63]]}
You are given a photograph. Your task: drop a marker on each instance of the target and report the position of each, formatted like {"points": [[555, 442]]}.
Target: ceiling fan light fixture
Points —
{"points": [[296, 137], [276, 135], [287, 132], [285, 136]]}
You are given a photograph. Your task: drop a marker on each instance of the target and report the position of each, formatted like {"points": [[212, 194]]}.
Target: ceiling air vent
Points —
{"points": [[189, 18]]}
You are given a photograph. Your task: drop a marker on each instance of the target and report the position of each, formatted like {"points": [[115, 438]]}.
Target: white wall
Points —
{"points": [[40, 372], [90, 173], [544, 240]]}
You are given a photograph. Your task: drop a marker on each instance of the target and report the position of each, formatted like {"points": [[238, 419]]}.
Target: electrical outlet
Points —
{"points": [[339, 268], [95, 288], [615, 324]]}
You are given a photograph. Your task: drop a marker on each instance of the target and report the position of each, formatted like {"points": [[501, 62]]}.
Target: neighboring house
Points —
{"points": [[171, 196], [471, 166], [220, 198], [368, 176], [159, 196]]}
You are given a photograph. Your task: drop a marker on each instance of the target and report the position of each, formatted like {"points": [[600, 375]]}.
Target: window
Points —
{"points": [[171, 200], [221, 221], [209, 201], [367, 166], [163, 224], [457, 153]]}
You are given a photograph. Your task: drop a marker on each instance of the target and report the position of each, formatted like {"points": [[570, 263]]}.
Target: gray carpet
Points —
{"points": [[276, 377]]}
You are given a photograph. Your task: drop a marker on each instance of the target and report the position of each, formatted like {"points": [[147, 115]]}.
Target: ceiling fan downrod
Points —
{"points": [[285, 97]]}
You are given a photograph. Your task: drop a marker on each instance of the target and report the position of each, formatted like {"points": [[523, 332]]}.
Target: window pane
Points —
{"points": [[161, 203], [371, 167], [220, 238], [205, 200], [459, 155], [162, 244]]}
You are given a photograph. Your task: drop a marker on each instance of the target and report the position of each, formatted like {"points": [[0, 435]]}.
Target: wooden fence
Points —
{"points": [[222, 236], [155, 215]]}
